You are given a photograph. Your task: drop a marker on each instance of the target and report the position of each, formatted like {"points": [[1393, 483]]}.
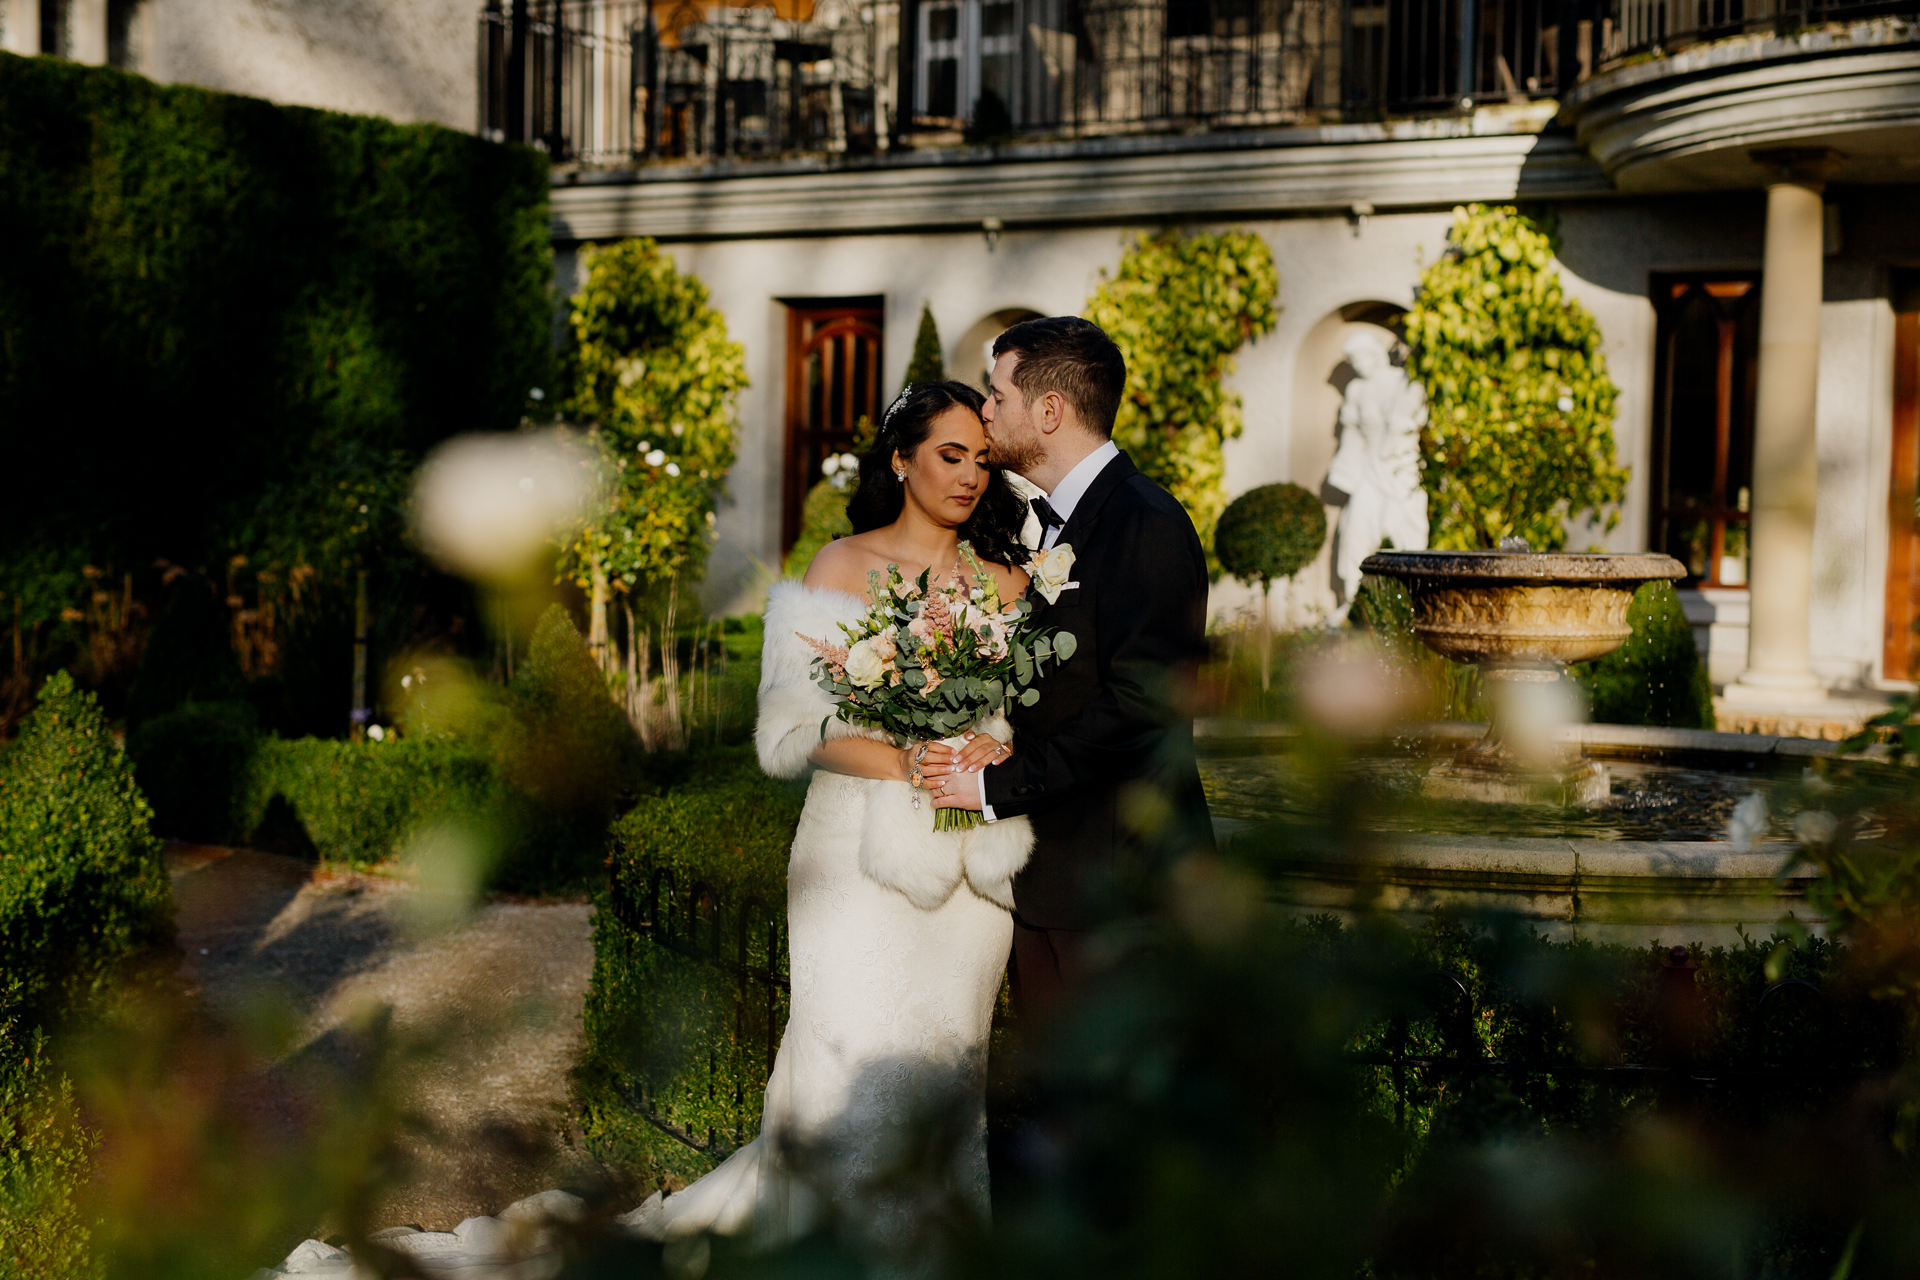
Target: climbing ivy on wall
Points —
{"points": [[1179, 306], [1519, 438]]}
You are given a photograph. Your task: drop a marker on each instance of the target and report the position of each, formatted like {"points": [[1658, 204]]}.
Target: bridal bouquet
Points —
{"points": [[934, 657]]}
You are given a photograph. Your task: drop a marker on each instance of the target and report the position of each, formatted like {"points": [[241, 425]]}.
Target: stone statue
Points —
{"points": [[1378, 462]]}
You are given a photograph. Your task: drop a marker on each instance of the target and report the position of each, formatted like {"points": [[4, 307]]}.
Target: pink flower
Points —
{"points": [[885, 647]]}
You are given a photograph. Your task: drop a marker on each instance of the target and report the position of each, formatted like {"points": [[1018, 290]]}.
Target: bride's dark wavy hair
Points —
{"points": [[994, 526]]}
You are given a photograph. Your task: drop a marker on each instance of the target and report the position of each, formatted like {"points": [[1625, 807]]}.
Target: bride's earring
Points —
{"points": [[901, 476]]}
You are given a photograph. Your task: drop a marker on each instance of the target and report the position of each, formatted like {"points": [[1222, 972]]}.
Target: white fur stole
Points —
{"points": [[898, 846]]}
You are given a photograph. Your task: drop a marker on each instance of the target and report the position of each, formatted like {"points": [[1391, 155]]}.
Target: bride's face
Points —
{"points": [[948, 472]]}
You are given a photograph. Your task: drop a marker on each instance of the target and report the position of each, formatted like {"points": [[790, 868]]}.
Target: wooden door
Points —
{"points": [[1902, 652], [833, 382]]}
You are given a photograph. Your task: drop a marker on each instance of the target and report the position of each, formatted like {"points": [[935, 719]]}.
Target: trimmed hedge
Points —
{"points": [[208, 298], [1656, 677], [668, 1034], [84, 896]]}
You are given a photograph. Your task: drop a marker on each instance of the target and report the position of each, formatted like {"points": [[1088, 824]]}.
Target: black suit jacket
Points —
{"points": [[1103, 763]]}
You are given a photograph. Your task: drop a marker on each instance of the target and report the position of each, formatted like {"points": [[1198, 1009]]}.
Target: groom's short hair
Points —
{"points": [[1072, 356]]}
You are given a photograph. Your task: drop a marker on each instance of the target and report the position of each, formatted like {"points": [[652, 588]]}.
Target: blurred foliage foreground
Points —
{"points": [[1234, 1093]]}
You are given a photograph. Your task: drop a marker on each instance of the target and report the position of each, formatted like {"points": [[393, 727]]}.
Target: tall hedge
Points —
{"points": [[204, 297]]}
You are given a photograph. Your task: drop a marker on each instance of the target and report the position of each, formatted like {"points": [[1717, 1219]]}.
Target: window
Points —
{"points": [[967, 48], [1709, 340]]}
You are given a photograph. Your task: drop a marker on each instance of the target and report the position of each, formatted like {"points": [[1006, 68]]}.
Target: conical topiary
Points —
{"points": [[927, 364]]}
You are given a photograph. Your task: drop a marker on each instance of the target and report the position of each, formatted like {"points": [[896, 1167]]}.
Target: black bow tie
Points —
{"points": [[1049, 518]]}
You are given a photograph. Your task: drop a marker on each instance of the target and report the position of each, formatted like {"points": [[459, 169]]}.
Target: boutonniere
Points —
{"points": [[1051, 569]]}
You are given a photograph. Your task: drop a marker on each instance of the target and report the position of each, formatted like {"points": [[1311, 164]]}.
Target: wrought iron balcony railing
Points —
{"points": [[620, 81], [1638, 28]]}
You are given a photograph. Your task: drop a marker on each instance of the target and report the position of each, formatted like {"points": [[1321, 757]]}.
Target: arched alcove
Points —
{"points": [[970, 359], [1320, 377]]}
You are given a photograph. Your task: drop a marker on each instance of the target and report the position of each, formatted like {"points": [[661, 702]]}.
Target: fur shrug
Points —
{"points": [[898, 846]]}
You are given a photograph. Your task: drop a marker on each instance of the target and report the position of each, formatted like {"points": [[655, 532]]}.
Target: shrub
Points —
{"points": [[927, 364], [823, 518], [1656, 677], [358, 804], [1519, 436], [84, 896], [1267, 535], [673, 1040], [192, 764], [45, 1161]]}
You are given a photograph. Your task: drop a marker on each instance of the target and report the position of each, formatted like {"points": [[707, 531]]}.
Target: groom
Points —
{"points": [[1103, 763]]}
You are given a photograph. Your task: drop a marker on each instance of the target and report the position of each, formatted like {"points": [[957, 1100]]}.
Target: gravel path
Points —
{"points": [[500, 996]]}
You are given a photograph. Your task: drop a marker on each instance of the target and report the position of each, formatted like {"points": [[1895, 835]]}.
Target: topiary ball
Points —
{"points": [[1270, 533]]}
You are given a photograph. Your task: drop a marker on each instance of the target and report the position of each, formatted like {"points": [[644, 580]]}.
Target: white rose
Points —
{"points": [[865, 667], [1051, 571]]}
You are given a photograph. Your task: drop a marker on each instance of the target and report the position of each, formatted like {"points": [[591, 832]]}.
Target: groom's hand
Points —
{"points": [[962, 793]]}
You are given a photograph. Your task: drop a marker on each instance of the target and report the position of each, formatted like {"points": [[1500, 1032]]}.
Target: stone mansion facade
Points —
{"points": [[1735, 186]]}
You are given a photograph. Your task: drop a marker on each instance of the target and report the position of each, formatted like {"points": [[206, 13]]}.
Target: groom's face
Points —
{"points": [[1014, 441]]}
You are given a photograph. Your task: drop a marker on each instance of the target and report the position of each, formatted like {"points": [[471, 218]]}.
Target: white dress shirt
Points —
{"points": [[1065, 497]]}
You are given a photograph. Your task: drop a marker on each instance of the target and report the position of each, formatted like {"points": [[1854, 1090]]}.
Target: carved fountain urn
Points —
{"points": [[1520, 617]]}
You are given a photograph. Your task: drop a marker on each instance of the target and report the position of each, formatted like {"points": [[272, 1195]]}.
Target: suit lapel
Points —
{"points": [[1085, 513]]}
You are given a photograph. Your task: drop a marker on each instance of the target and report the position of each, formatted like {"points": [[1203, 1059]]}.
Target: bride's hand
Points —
{"points": [[939, 767], [982, 749]]}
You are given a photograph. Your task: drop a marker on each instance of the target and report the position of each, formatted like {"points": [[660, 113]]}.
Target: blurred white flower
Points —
{"points": [[487, 506], [673, 468], [406, 682], [655, 457], [679, 428], [831, 465], [1565, 404], [645, 445], [1350, 689], [537, 394], [1748, 823], [375, 732], [1815, 826]]}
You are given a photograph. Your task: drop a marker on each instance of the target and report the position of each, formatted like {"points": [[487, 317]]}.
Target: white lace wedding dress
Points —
{"points": [[897, 941]]}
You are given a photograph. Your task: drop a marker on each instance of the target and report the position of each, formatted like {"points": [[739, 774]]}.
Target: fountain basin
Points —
{"points": [[1519, 617], [1565, 873]]}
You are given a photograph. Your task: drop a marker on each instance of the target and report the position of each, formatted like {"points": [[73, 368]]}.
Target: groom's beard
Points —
{"points": [[1017, 456]]}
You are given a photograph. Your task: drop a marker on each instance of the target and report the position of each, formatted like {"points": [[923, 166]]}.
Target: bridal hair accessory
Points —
{"points": [[933, 657], [886, 419]]}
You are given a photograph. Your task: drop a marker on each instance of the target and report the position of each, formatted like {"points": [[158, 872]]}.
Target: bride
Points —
{"points": [[896, 953]]}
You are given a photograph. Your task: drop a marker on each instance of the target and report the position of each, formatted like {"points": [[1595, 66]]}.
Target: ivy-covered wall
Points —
{"points": [[207, 298]]}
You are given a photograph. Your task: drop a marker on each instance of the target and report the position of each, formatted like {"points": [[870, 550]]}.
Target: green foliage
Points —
{"points": [[823, 517], [1520, 430], [45, 1161], [661, 1028], [358, 804], [192, 765], [928, 363], [188, 657], [652, 369], [83, 894], [567, 747], [1178, 308], [246, 299], [1268, 534], [1656, 677]]}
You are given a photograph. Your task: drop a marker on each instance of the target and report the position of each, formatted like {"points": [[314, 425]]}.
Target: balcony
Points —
{"points": [[617, 83]]}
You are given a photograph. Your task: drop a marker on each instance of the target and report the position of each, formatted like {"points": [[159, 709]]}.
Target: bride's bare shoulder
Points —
{"points": [[842, 565], [1010, 578]]}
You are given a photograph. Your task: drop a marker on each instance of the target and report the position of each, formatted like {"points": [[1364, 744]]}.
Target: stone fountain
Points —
{"points": [[1520, 617]]}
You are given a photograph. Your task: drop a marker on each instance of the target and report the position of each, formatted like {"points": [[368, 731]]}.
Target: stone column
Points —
{"points": [[1785, 468], [88, 36], [20, 26]]}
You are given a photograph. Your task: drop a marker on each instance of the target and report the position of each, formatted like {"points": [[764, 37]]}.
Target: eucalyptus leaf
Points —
{"points": [[1064, 645], [1030, 697]]}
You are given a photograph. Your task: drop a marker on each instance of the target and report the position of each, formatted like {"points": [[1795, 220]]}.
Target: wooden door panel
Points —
{"points": [[833, 381], [1903, 530]]}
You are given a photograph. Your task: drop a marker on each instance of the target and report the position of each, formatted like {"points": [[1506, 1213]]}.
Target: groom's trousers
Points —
{"points": [[1045, 968]]}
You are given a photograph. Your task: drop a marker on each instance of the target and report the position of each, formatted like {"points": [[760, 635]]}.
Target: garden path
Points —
{"points": [[498, 999]]}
